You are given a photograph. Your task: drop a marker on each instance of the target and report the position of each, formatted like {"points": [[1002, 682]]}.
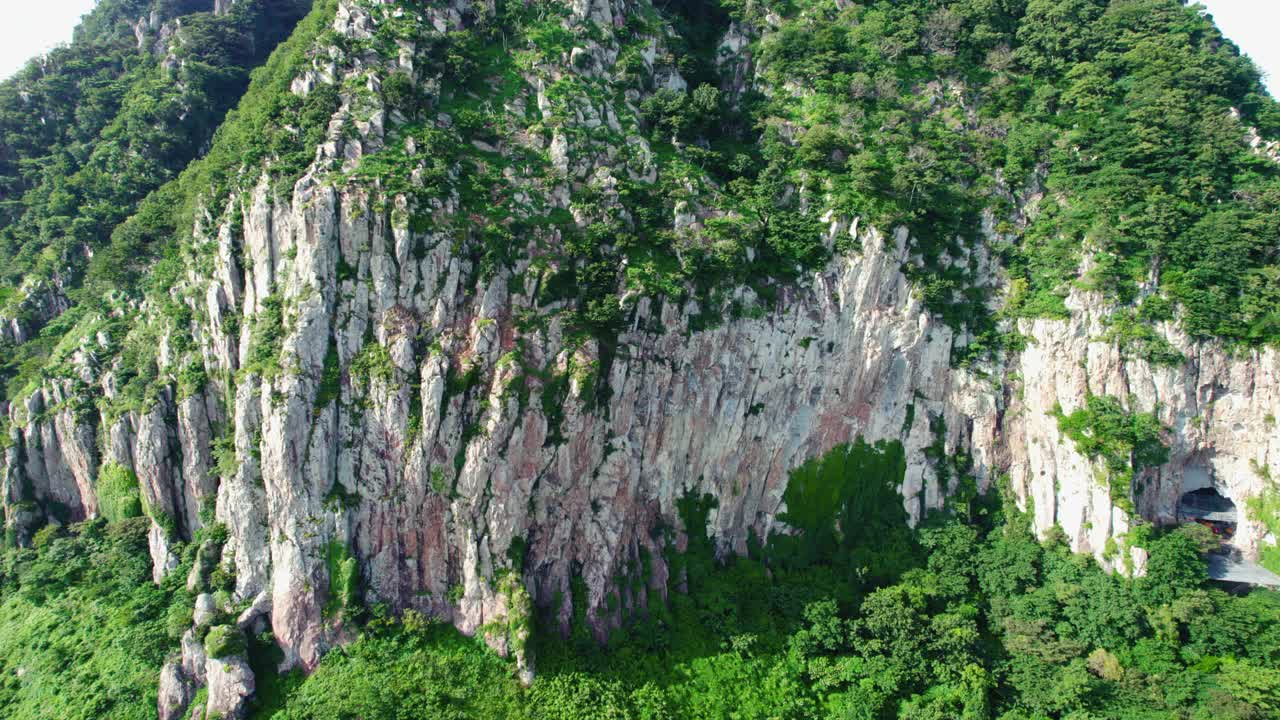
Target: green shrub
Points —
{"points": [[45, 536], [456, 593], [427, 670], [266, 339], [227, 463], [224, 641], [844, 504], [373, 363], [178, 619], [1264, 508], [84, 626], [329, 387], [344, 578], [1126, 442], [118, 493], [191, 380]]}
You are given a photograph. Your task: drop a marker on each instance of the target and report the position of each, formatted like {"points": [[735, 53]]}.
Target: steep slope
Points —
{"points": [[83, 631], [467, 299], [92, 128]]}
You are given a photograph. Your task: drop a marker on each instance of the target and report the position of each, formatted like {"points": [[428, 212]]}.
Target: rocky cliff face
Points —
{"points": [[434, 423], [1220, 409]]}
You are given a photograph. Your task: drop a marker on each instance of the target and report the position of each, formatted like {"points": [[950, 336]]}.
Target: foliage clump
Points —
{"points": [[82, 626], [977, 620], [983, 622], [118, 494], [1126, 442], [223, 641], [96, 137], [1264, 508], [344, 578], [266, 339], [420, 667], [848, 511], [373, 363]]}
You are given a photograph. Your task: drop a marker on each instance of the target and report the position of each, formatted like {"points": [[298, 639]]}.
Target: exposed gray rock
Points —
{"points": [[205, 610], [193, 657], [176, 691], [206, 560], [163, 559], [254, 618], [155, 449], [196, 416], [1216, 403], [231, 685]]}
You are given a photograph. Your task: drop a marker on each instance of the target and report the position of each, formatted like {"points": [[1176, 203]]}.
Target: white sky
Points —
{"points": [[31, 27], [34, 26], [1254, 25]]}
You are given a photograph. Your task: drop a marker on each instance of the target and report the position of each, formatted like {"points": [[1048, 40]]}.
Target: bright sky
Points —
{"points": [[41, 24], [33, 26], [1253, 25]]}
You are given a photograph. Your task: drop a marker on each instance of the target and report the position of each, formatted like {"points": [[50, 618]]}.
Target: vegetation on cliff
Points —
{"points": [[1125, 442], [91, 130], [926, 114], [970, 619], [709, 156]]}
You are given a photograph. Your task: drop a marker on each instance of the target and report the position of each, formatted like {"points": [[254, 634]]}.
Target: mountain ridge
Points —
{"points": [[466, 299]]}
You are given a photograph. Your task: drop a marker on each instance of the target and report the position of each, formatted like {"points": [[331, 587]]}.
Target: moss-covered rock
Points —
{"points": [[224, 641], [118, 494]]}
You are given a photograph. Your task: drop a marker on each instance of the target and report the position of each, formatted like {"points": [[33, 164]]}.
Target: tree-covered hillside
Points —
{"points": [[83, 630], [1108, 141], [92, 128], [1123, 123], [707, 359]]}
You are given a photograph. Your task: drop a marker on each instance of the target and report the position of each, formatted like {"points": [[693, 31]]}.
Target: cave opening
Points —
{"points": [[1211, 509]]}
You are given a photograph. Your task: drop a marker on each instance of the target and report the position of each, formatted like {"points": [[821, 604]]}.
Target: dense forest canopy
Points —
{"points": [[90, 130]]}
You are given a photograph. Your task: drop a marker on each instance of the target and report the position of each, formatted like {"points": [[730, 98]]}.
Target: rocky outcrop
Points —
{"points": [[175, 692], [183, 674], [231, 684], [194, 661], [163, 558], [205, 610], [51, 462], [1219, 406], [40, 299]]}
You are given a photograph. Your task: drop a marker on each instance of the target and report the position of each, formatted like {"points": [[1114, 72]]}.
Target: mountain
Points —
{"points": [[489, 309]]}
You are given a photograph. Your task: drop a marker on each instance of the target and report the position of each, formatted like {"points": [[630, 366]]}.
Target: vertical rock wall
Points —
{"points": [[1219, 406], [400, 426]]}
